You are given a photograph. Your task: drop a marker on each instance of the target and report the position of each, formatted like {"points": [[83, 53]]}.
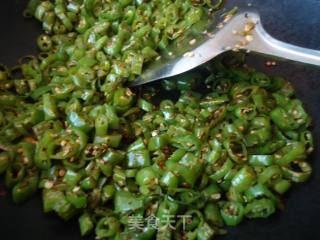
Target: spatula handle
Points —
{"points": [[266, 44]]}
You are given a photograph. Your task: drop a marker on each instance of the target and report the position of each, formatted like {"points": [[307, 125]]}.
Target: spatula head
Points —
{"points": [[221, 33]]}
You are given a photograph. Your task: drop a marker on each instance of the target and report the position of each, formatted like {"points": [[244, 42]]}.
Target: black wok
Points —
{"points": [[294, 21]]}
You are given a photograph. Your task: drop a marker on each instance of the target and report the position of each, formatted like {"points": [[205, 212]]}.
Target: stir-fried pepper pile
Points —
{"points": [[115, 158]]}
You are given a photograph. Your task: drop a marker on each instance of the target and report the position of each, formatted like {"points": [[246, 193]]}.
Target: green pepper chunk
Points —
{"points": [[4, 162], [14, 174], [261, 160], [55, 200], [86, 224], [260, 208], [146, 176], [78, 199], [243, 179], [232, 213], [282, 186], [292, 151], [49, 107], [169, 180], [211, 147], [138, 159], [213, 215], [25, 188], [158, 142], [188, 167], [302, 173], [107, 227], [126, 201]]}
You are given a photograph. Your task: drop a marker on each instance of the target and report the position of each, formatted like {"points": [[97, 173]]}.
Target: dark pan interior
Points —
{"points": [[294, 21]]}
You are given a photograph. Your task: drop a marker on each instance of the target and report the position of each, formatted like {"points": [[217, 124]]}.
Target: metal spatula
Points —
{"points": [[242, 31]]}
